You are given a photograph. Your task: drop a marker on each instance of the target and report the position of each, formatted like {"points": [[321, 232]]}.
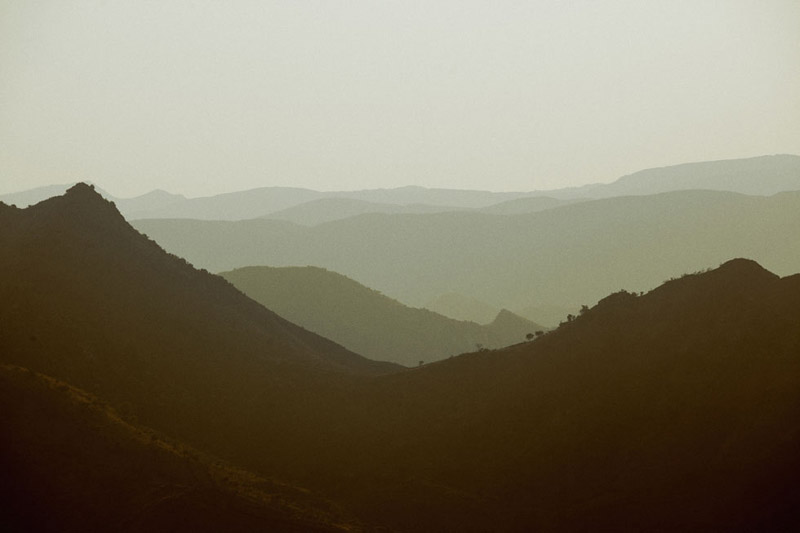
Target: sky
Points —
{"points": [[203, 97]]}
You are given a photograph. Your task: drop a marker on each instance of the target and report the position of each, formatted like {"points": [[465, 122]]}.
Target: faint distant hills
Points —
{"points": [[329, 209], [566, 256], [762, 176], [368, 322]]}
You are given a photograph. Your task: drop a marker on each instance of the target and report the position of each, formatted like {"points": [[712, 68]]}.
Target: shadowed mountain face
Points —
{"points": [[567, 256], [672, 411], [368, 322]]}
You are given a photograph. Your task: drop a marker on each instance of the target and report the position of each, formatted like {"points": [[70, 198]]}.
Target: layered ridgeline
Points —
{"points": [[676, 410], [566, 256], [368, 322], [330, 209], [765, 175]]}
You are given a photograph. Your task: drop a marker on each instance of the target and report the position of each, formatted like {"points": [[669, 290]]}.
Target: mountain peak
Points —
{"points": [[742, 268], [504, 315], [80, 209], [82, 189], [83, 200], [741, 264], [734, 277]]}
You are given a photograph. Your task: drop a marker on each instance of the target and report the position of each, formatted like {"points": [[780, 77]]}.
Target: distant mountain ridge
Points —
{"points": [[566, 256], [324, 210], [368, 322], [762, 176]]}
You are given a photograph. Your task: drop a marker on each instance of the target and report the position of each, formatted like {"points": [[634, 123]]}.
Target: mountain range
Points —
{"points": [[565, 256], [368, 322], [760, 176], [673, 410]]}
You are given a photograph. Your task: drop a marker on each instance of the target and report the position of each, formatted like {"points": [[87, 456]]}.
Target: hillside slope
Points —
{"points": [[71, 463], [368, 322]]}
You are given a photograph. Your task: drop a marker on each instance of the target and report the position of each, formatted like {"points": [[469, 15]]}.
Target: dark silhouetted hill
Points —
{"points": [[566, 256], [368, 322], [673, 411], [88, 300]]}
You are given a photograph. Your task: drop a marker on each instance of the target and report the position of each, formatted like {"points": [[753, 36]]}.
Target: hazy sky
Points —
{"points": [[209, 96]]}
